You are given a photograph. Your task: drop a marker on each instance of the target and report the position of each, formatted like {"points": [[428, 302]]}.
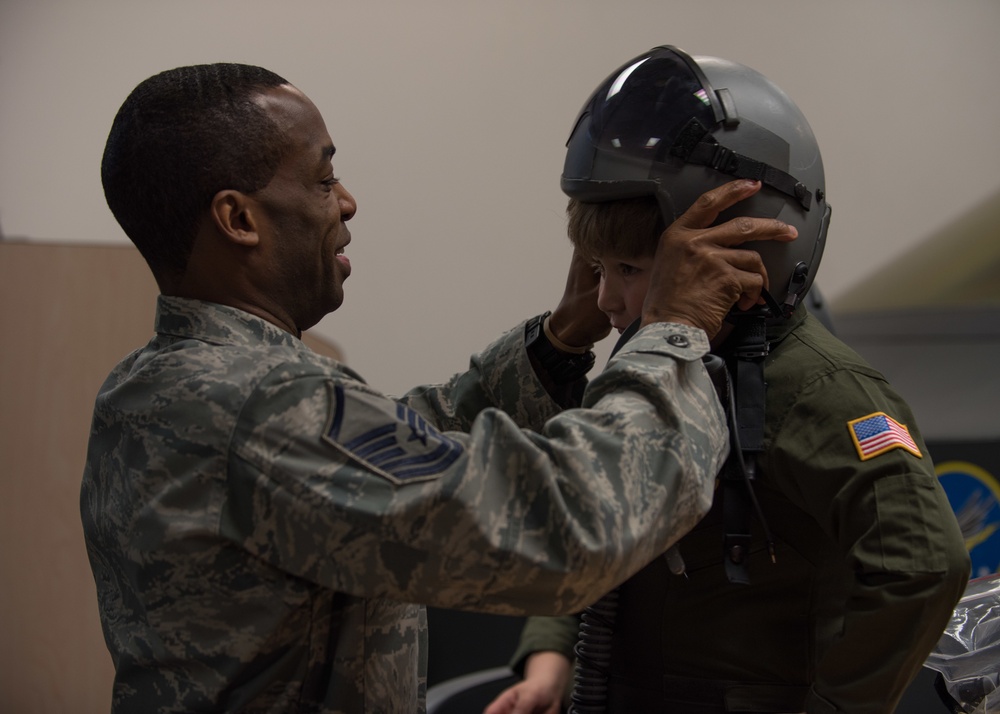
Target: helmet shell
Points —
{"points": [[631, 136]]}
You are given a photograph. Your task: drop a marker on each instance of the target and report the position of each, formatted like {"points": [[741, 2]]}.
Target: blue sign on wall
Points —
{"points": [[974, 494]]}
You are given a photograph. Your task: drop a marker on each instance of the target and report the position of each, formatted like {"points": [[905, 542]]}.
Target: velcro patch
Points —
{"points": [[389, 438], [878, 433]]}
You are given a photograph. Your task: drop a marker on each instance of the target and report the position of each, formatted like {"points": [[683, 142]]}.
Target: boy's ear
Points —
{"points": [[233, 215]]}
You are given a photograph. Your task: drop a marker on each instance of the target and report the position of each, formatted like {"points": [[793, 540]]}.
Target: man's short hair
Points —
{"points": [[180, 137], [629, 227]]}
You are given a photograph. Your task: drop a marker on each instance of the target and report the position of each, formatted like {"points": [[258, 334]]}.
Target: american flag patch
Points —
{"points": [[878, 433]]}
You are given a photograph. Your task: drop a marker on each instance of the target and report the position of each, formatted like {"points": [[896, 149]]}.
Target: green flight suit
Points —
{"points": [[870, 560]]}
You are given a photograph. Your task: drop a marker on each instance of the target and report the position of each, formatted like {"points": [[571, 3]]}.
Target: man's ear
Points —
{"points": [[233, 216]]}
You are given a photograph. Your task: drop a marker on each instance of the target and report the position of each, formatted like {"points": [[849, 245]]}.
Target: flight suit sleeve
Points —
{"points": [[545, 634], [344, 487], [851, 455]]}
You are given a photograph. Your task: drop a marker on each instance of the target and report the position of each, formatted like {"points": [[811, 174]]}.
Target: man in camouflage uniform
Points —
{"points": [[259, 520]]}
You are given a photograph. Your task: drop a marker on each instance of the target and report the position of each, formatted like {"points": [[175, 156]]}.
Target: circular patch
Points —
{"points": [[974, 494]]}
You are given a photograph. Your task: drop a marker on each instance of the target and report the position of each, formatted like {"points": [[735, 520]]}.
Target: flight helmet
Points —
{"points": [[673, 126]]}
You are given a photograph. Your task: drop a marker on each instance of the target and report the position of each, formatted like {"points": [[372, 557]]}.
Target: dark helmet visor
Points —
{"points": [[639, 110]]}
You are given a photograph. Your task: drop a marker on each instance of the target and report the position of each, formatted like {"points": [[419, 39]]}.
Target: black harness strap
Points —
{"points": [[696, 145], [747, 435]]}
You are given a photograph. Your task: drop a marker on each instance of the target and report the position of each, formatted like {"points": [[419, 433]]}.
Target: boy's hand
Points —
{"points": [[546, 677], [577, 321]]}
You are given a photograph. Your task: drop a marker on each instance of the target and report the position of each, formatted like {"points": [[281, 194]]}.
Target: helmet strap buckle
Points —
{"points": [[695, 145]]}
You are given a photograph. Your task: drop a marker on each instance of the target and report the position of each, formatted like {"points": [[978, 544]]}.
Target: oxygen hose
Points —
{"points": [[597, 624], [593, 656]]}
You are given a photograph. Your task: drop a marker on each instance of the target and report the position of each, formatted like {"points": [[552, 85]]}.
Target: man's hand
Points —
{"points": [[698, 272], [577, 321]]}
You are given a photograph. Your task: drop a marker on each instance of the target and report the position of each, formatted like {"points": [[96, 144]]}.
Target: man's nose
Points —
{"points": [[348, 206]]}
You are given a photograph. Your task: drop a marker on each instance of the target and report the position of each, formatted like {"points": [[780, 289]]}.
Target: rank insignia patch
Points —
{"points": [[878, 433], [396, 443]]}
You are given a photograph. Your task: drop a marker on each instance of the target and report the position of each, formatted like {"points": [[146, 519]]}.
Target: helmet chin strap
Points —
{"points": [[771, 308], [796, 288]]}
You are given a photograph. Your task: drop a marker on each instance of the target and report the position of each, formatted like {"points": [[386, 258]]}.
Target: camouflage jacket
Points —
{"points": [[258, 518]]}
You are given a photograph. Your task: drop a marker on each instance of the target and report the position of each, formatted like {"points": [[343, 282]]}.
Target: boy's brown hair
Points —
{"points": [[628, 228]]}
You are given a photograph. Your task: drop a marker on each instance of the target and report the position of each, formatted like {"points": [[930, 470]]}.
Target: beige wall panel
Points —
{"points": [[69, 313]]}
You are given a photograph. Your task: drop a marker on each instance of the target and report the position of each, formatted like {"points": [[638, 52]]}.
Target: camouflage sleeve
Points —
{"points": [[500, 376], [357, 492]]}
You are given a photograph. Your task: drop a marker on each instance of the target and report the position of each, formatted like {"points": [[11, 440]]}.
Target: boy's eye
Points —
{"points": [[627, 270]]}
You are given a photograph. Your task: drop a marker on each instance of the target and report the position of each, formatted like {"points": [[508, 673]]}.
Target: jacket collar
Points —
{"points": [[217, 324]]}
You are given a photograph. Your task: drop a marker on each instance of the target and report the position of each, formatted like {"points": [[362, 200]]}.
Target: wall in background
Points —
{"points": [[450, 119]]}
